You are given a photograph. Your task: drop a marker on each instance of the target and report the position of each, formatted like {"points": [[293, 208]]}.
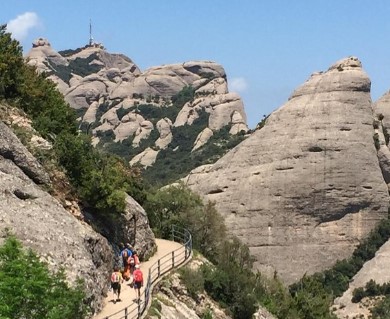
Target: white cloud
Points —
{"points": [[238, 85], [22, 24]]}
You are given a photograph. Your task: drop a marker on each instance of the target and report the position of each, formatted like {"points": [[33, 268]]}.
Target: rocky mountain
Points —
{"points": [[139, 114], [301, 192], [53, 226], [306, 188]]}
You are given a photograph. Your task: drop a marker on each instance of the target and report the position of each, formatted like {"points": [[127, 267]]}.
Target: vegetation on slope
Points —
{"points": [[29, 290], [100, 181], [230, 280]]}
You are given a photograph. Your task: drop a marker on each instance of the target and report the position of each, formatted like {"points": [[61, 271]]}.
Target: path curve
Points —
{"points": [[127, 293]]}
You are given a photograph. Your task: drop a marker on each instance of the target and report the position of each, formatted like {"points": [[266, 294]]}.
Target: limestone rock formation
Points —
{"points": [[106, 90], [12, 149], [41, 222], [41, 54], [375, 269], [302, 191], [382, 122], [382, 106], [60, 235], [164, 129], [202, 138], [146, 158]]}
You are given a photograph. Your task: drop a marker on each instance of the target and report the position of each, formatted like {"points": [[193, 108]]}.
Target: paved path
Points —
{"points": [[164, 247]]}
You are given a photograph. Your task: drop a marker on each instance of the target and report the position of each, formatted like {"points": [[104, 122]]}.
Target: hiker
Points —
{"points": [[134, 260], [127, 254], [116, 281], [138, 281]]}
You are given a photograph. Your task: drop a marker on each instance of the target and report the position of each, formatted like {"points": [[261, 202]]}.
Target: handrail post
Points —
{"points": [[158, 268], [139, 310], [173, 259], [126, 313]]}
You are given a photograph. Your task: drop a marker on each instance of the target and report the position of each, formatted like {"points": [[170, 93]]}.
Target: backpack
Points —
{"points": [[115, 277], [138, 275], [125, 254]]}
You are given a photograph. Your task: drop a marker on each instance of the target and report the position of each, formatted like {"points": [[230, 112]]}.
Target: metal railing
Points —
{"points": [[158, 269]]}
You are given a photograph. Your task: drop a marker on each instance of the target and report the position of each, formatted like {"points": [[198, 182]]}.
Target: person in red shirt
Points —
{"points": [[138, 281]]}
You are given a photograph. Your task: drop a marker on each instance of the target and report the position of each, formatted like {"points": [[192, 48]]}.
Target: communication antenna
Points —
{"points": [[90, 33]]}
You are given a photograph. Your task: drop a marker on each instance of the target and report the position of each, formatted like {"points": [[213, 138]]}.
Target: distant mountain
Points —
{"points": [[172, 117]]}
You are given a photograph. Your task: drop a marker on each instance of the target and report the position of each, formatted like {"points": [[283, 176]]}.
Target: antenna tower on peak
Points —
{"points": [[90, 33], [92, 43]]}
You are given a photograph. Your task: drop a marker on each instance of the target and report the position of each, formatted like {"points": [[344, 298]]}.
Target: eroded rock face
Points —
{"points": [[59, 236], [375, 269], [40, 222], [303, 190], [99, 84], [12, 149]]}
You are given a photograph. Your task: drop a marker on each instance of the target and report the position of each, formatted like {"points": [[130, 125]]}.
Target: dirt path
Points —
{"points": [[164, 247]]}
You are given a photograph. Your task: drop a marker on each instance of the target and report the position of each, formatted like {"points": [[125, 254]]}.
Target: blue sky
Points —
{"points": [[268, 48]]}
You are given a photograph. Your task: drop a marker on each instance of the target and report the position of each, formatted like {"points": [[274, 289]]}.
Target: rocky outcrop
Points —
{"points": [[55, 227], [45, 59], [146, 158], [382, 107], [375, 269], [302, 191], [164, 129], [202, 138], [382, 124], [41, 222], [106, 90], [224, 109], [12, 149]]}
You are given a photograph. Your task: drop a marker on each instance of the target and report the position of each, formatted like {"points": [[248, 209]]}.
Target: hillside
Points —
{"points": [[168, 119]]}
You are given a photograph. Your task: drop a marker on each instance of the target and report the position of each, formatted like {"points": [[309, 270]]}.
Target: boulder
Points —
{"points": [[202, 138], [12, 149], [142, 132], [164, 128], [145, 158]]}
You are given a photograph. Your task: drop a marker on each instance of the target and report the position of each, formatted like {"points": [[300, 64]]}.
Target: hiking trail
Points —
{"points": [[164, 247]]}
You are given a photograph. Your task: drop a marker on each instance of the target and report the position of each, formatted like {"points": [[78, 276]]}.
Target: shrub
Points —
{"points": [[185, 95], [29, 290], [193, 280]]}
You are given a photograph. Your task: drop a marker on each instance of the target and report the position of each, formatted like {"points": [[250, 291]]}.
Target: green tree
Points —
{"points": [[29, 290], [312, 300], [11, 64]]}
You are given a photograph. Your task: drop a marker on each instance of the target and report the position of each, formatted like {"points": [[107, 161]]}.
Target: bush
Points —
{"points": [[185, 95], [29, 290], [193, 280], [382, 309]]}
